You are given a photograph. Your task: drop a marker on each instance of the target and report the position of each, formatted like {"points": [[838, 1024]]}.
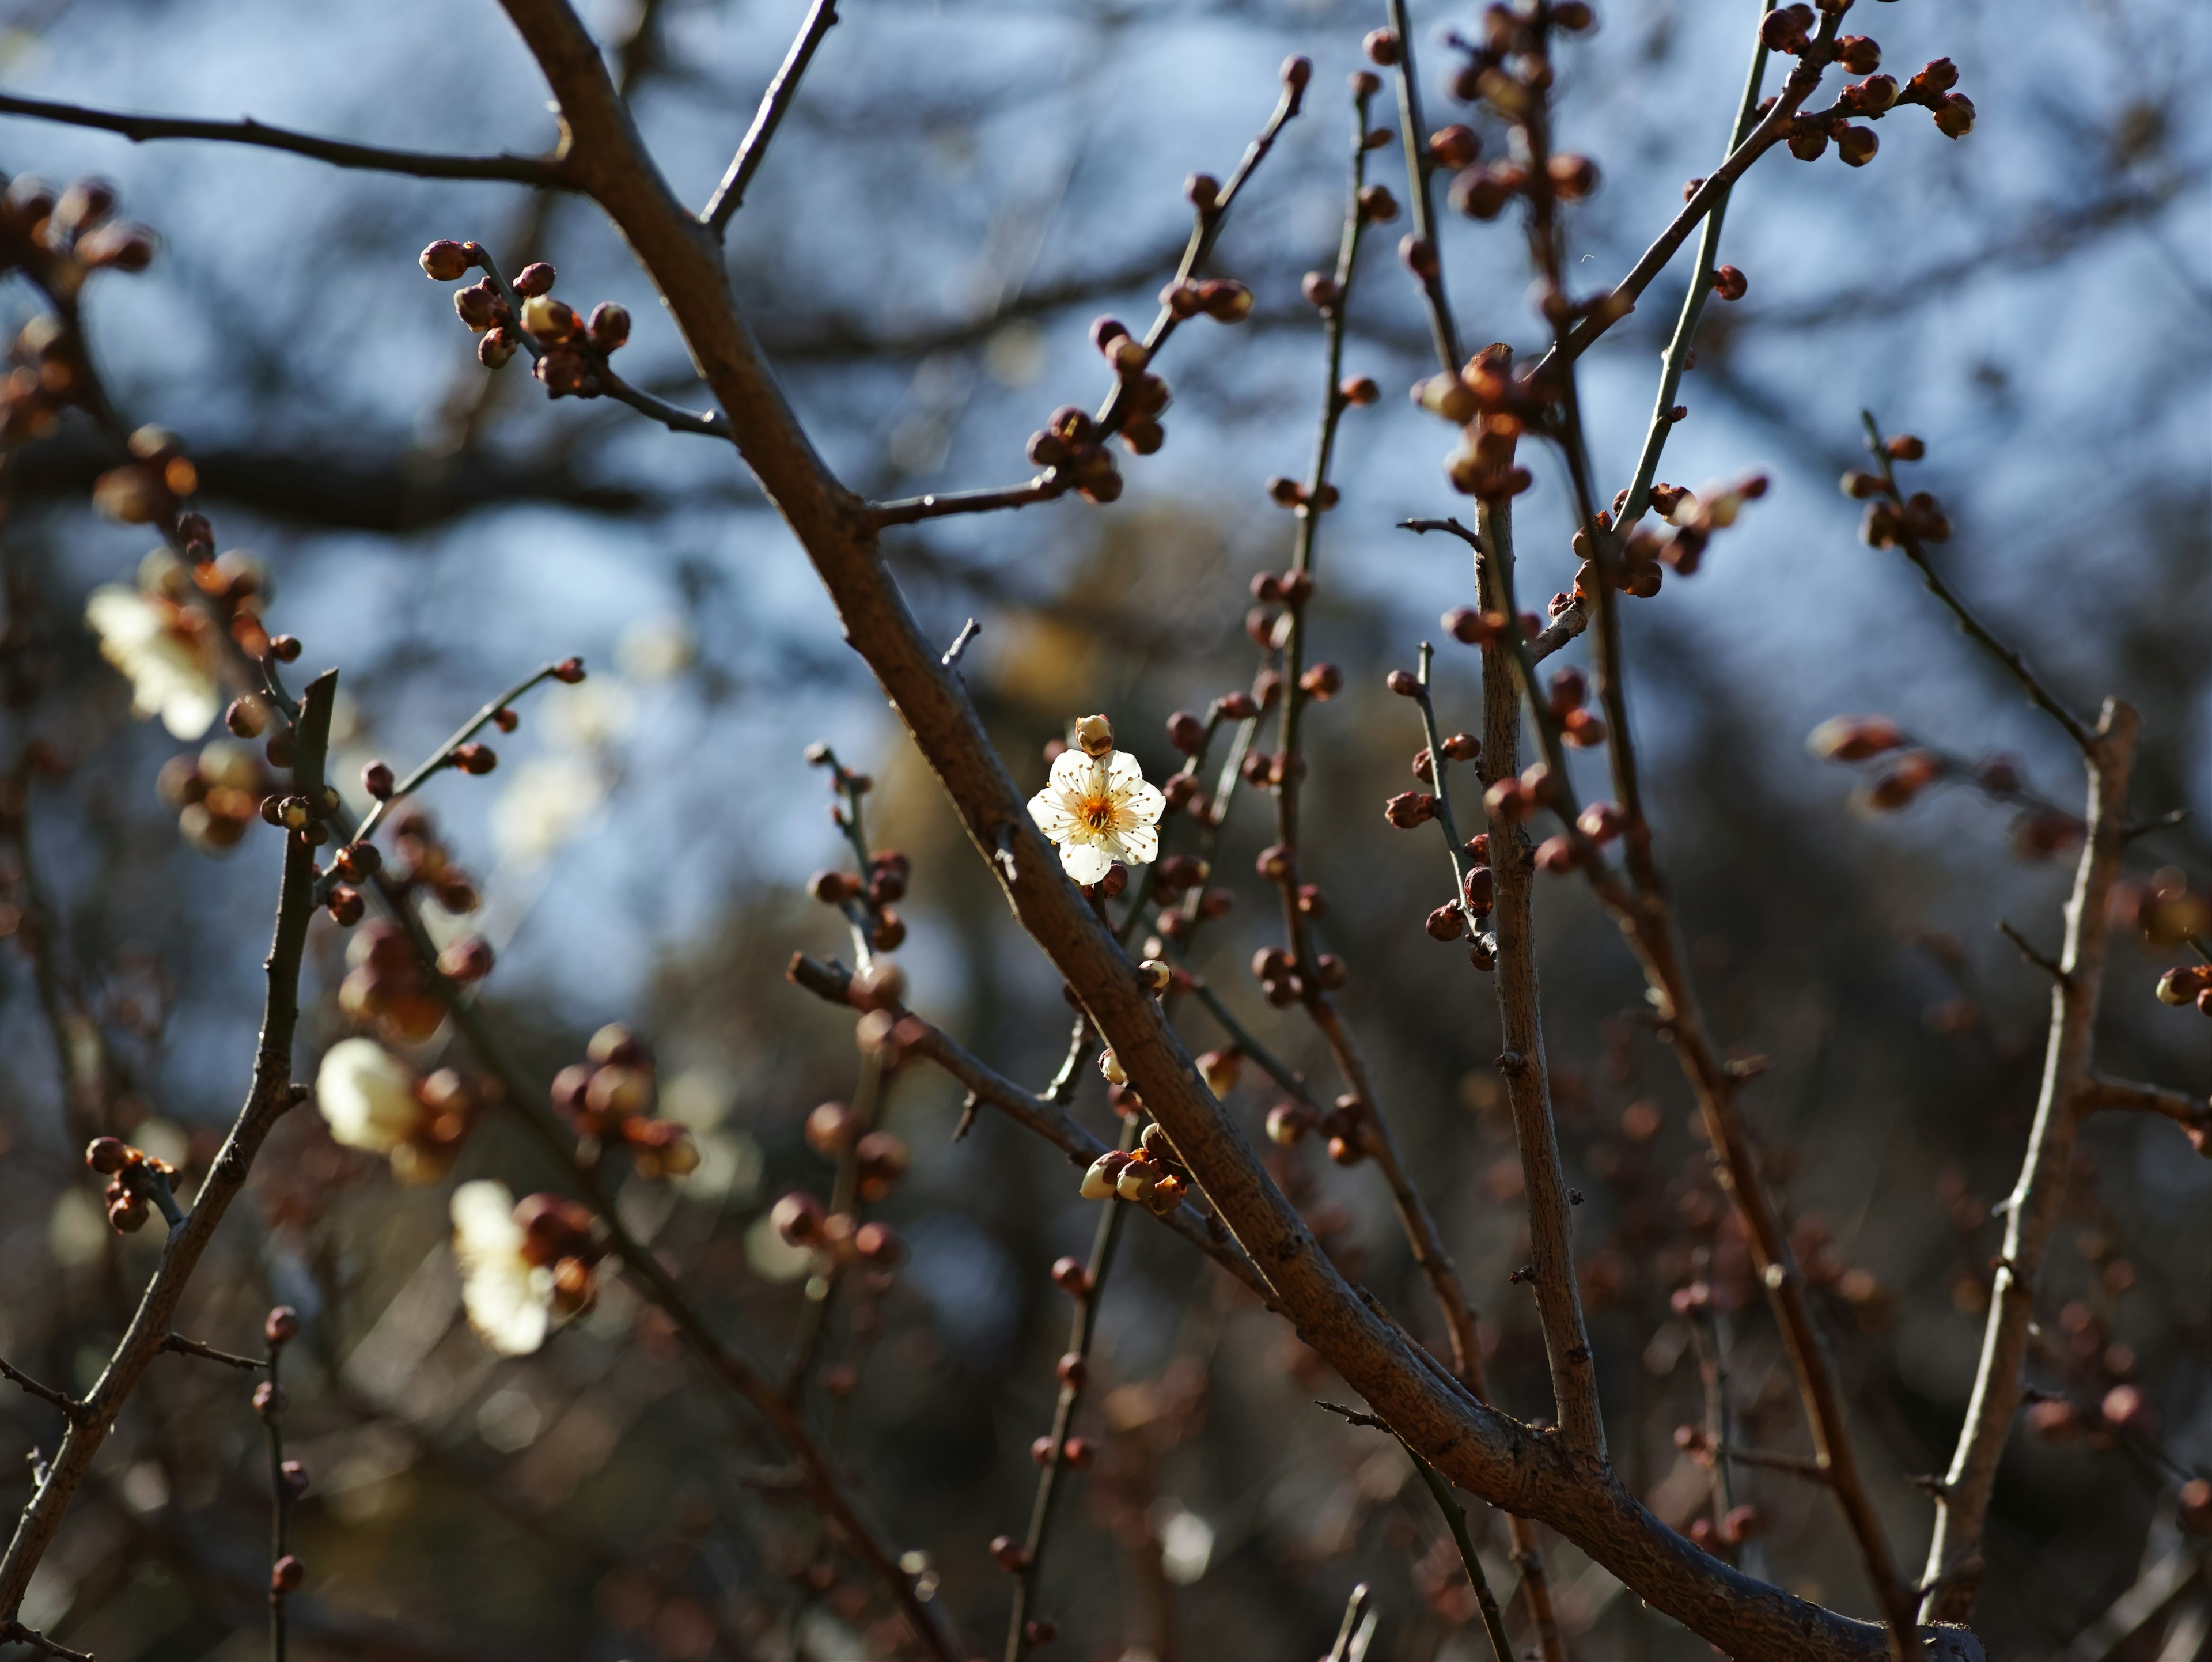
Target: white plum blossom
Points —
{"points": [[367, 1095], [168, 652], [509, 1300], [1098, 809]]}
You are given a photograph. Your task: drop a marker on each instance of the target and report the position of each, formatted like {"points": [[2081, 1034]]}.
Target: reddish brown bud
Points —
{"points": [[1380, 46], [534, 279], [1573, 177], [1322, 682], [1729, 283], [345, 905], [1069, 1275], [1859, 54], [108, 1155], [570, 670], [286, 1575], [376, 779], [474, 758], [1856, 145], [1445, 923], [445, 261], [1013, 1557], [466, 959], [281, 1325], [1404, 683], [1455, 147]]}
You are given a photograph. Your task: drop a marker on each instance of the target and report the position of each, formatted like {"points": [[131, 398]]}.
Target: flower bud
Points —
{"points": [[281, 1325], [534, 280], [286, 1575], [1069, 1275], [1322, 682], [376, 779], [1455, 147], [1729, 283], [1012, 1556], [474, 758], [1856, 145], [108, 1155], [467, 959], [609, 326], [1445, 923], [445, 261], [1225, 301]]}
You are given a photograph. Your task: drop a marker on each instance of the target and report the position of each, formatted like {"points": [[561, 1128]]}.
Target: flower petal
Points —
{"points": [[1078, 775], [1123, 771], [1049, 807], [1086, 862], [1141, 804], [1140, 844]]}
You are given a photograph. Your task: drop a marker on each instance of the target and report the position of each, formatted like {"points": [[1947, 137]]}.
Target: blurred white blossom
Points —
{"points": [[168, 652], [509, 1300]]}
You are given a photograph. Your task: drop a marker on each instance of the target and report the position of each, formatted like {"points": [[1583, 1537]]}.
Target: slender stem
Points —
{"points": [[69, 1405], [280, 1503], [269, 1095], [730, 194], [1421, 195], [1453, 849], [545, 171], [1494, 1619], [207, 1352], [844, 1196], [1677, 355], [2192, 1113], [1954, 1571], [2010, 657], [442, 757], [1104, 1240]]}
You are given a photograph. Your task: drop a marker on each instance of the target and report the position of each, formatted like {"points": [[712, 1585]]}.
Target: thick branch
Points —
{"points": [[1954, 1574], [544, 172], [1511, 1465]]}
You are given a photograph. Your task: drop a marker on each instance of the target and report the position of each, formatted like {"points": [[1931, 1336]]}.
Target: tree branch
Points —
{"points": [[1953, 1573], [730, 194], [269, 1095], [2192, 1114], [546, 173]]}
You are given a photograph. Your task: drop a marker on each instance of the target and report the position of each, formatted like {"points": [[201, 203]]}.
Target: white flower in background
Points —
{"points": [[367, 1095], [1098, 807], [654, 648], [168, 652], [509, 1300], [548, 799]]}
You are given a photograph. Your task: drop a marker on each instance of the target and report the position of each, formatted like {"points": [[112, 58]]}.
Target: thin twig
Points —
{"points": [[1494, 1619], [2126, 1096], [69, 1405], [280, 1504], [547, 173], [1420, 178], [2011, 658], [729, 195], [1105, 1238], [1676, 358], [2042, 960], [207, 1352], [269, 1095], [15, 1633], [961, 641], [442, 757]]}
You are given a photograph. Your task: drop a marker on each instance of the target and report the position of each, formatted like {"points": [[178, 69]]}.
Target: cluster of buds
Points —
{"points": [[1289, 1123], [1492, 406], [385, 985], [1892, 519], [2040, 830], [217, 794], [1790, 29], [1281, 981], [1510, 68], [1510, 799], [373, 1101], [1153, 1176], [424, 862], [137, 1183], [571, 352], [77, 226], [1276, 596], [838, 1237], [866, 898], [608, 1097], [557, 1235], [879, 1158], [59, 241], [1478, 897], [1695, 516], [1567, 699]]}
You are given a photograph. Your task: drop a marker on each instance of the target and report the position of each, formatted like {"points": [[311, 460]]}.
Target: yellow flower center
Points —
{"points": [[1096, 812]]}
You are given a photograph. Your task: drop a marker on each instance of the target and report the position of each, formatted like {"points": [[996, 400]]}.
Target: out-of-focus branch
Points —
{"points": [[1953, 1573], [267, 1097], [1909, 542], [1420, 252], [1773, 127], [548, 172], [729, 195], [1075, 1373], [1507, 1464], [2190, 1113], [1046, 1118]]}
